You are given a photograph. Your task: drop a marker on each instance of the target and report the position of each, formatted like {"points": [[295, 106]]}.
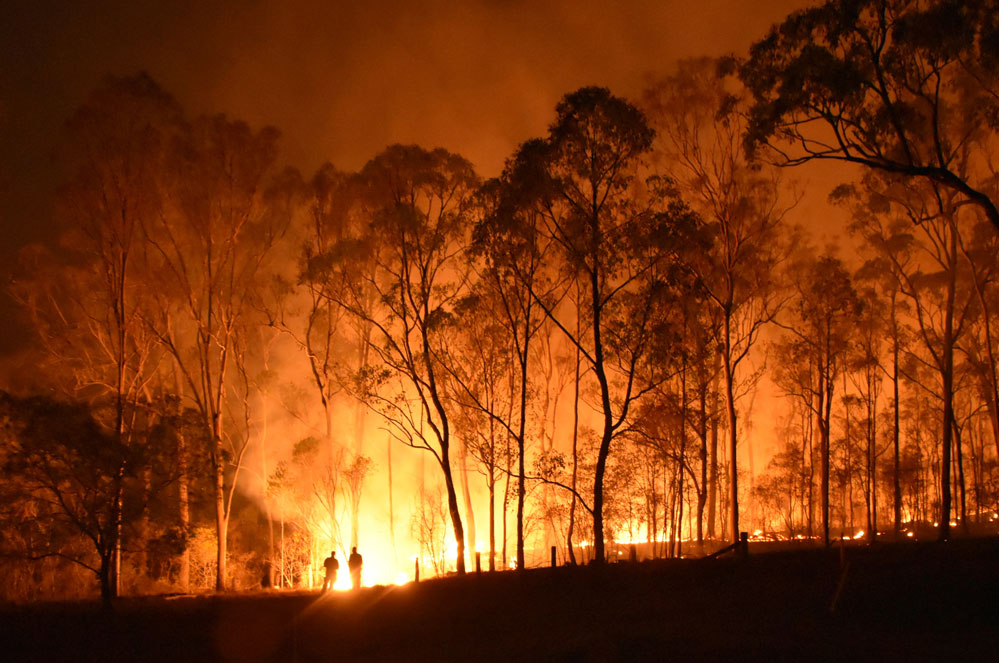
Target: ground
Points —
{"points": [[906, 601]]}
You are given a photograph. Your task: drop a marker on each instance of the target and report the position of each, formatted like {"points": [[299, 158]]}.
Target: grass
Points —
{"points": [[905, 601]]}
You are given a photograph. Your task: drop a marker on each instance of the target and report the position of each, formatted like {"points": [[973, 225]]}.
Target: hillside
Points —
{"points": [[911, 601]]}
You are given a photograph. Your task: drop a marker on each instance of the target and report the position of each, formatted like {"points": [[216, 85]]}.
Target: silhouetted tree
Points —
{"points": [[900, 86], [933, 275], [699, 116], [824, 312], [208, 254], [77, 475], [618, 241], [418, 202], [86, 300]]}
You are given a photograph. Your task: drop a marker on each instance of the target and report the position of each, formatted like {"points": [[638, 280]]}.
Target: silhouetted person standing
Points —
{"points": [[354, 563], [332, 566]]}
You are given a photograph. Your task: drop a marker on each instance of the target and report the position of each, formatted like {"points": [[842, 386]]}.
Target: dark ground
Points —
{"points": [[907, 601]]}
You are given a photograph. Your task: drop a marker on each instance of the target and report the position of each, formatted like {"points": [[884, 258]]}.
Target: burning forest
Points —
{"points": [[752, 295]]}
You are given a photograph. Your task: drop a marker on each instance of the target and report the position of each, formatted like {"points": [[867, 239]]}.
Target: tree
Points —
{"points": [[864, 371], [824, 311], [932, 274], [980, 347], [878, 273], [900, 86], [77, 476], [208, 254], [509, 257], [418, 204], [86, 304], [698, 114], [619, 242], [483, 381]]}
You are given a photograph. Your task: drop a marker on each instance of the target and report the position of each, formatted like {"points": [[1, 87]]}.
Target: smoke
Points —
{"points": [[341, 80]]}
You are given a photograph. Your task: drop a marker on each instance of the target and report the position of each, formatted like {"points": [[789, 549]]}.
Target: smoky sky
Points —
{"points": [[341, 80]]}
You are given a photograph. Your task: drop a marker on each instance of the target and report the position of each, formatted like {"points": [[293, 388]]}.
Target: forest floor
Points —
{"points": [[900, 601]]}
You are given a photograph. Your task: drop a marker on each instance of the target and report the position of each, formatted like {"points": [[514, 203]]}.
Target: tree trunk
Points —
{"points": [[221, 523], [605, 404], [825, 414], [713, 479], [360, 416], [733, 477], [467, 495], [521, 474], [506, 500], [183, 514], [872, 457], [810, 459], [391, 500], [105, 576], [947, 378], [183, 500], [896, 434], [492, 520], [575, 451], [598, 497], [683, 450], [702, 457], [452, 506], [961, 488]]}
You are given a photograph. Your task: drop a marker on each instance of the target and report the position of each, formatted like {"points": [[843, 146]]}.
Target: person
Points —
{"points": [[354, 563], [332, 565]]}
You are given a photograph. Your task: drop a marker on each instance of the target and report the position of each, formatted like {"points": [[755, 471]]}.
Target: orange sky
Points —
{"points": [[340, 79]]}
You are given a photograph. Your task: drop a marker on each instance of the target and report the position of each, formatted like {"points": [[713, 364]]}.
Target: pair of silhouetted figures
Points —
{"points": [[354, 563]]}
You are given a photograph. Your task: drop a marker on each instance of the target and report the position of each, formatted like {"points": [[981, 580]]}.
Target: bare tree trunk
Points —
{"points": [[810, 459], [506, 501], [282, 582], [713, 479], [183, 500], [947, 375], [391, 501], [872, 456], [896, 432], [575, 449], [825, 418], [265, 473], [221, 522], [521, 441], [492, 519], [452, 506], [466, 495], [702, 457], [116, 515], [683, 451], [183, 513], [961, 488], [355, 495], [733, 474]]}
